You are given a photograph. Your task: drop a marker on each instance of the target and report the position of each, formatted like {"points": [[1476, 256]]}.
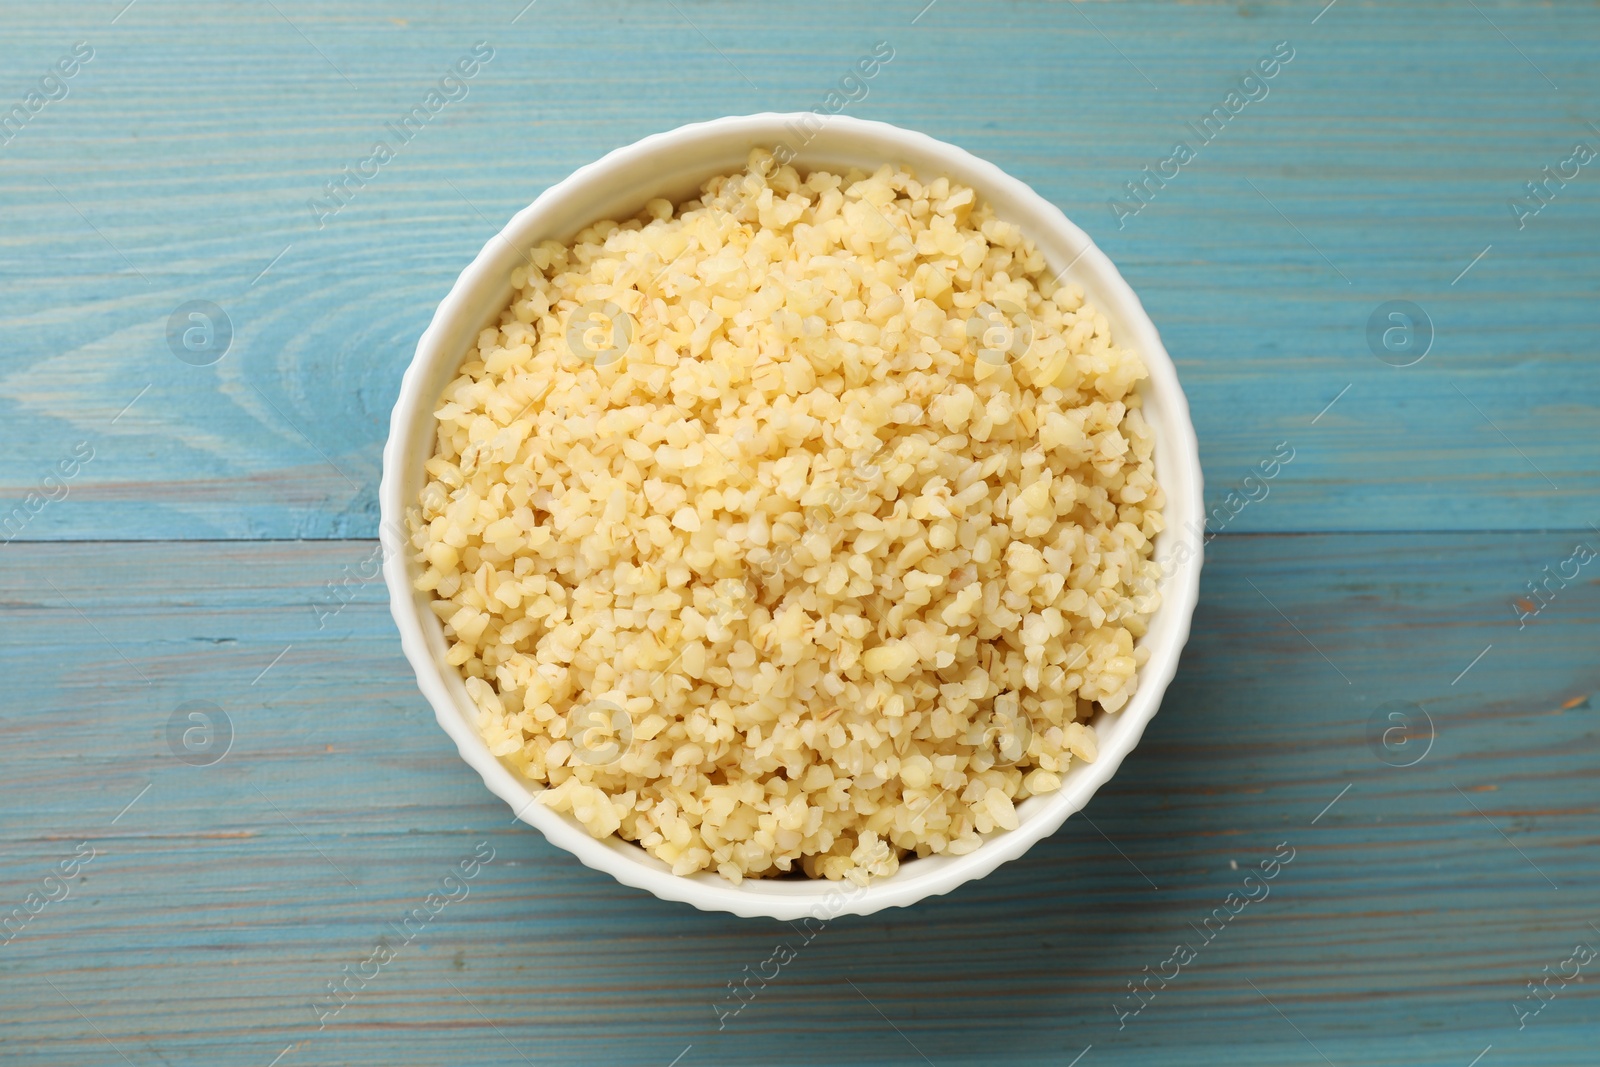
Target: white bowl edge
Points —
{"points": [[672, 164]]}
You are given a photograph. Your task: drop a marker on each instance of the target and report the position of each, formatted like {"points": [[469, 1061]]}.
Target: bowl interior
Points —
{"points": [[672, 165]]}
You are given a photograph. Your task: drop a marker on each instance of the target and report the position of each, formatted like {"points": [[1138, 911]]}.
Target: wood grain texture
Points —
{"points": [[221, 900], [1380, 164], [219, 905]]}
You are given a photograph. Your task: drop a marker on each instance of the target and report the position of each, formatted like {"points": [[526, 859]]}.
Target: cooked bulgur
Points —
{"points": [[795, 528]]}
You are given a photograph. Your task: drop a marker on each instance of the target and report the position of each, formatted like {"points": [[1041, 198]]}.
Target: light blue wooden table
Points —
{"points": [[165, 910]]}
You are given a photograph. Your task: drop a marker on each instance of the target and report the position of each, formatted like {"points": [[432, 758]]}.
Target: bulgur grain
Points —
{"points": [[796, 528]]}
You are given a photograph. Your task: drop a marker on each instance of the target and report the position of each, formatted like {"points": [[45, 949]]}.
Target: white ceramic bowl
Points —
{"points": [[672, 165]]}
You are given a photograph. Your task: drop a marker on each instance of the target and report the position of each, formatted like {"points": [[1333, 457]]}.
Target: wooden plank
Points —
{"points": [[217, 907], [180, 164]]}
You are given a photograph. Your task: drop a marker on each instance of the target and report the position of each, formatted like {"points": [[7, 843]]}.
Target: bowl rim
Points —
{"points": [[709, 891]]}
